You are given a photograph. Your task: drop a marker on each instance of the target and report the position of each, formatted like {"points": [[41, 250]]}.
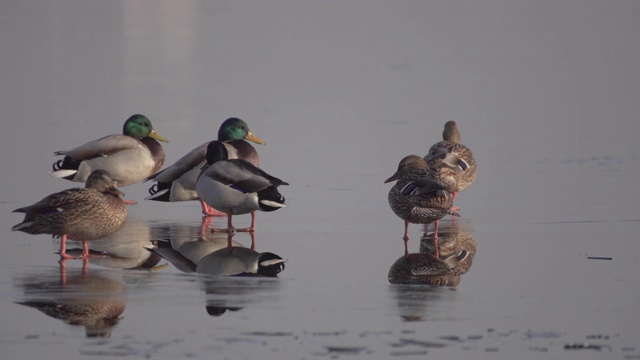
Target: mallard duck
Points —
{"points": [[235, 186], [82, 298], [426, 269], [185, 248], [241, 261], [83, 214], [418, 197], [177, 182], [450, 244], [453, 161], [129, 157]]}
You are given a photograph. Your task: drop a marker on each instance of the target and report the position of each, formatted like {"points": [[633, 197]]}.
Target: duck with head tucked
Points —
{"points": [[82, 214], [235, 186], [129, 157], [418, 197], [177, 182], [453, 161]]}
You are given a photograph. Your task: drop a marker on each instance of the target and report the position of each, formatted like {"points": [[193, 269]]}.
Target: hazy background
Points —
{"points": [[546, 94]]}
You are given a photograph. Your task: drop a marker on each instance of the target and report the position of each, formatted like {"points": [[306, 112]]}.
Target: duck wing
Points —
{"points": [[190, 161], [101, 147], [242, 174]]}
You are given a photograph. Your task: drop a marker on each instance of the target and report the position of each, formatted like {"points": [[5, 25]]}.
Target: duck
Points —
{"points": [[82, 214], [177, 182], [129, 158], [184, 249], [81, 298], [426, 269], [453, 161], [419, 196], [236, 186], [241, 261]]}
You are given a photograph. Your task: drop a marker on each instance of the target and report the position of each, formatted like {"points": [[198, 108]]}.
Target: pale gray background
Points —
{"points": [[545, 93]]}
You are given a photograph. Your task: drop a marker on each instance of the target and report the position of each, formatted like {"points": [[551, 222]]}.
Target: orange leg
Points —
{"points": [[436, 251], [406, 238], [230, 242], [251, 228], [63, 248], [230, 229], [210, 211], [455, 208]]}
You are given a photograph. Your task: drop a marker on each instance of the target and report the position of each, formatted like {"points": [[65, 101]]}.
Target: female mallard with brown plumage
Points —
{"points": [[418, 197], [82, 214], [453, 161]]}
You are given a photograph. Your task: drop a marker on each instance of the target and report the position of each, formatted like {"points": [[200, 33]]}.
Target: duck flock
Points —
{"points": [[225, 177]]}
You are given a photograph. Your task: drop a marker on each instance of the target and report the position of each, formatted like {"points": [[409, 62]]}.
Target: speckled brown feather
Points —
{"points": [[454, 180], [420, 208], [80, 213]]}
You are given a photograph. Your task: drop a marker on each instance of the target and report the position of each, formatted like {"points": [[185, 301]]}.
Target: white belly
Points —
{"points": [[225, 198]]}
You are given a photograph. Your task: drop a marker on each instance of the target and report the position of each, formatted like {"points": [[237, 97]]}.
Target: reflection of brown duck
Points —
{"points": [[457, 250], [80, 299], [424, 268], [452, 242]]}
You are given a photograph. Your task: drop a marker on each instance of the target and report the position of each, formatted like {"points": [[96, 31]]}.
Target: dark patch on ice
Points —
{"points": [[268, 333], [418, 343], [352, 350]]}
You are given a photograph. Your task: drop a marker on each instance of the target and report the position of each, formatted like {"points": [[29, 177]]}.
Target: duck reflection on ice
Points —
{"points": [[125, 249], [76, 296], [218, 255], [456, 252], [233, 276], [417, 303], [184, 244], [234, 293]]}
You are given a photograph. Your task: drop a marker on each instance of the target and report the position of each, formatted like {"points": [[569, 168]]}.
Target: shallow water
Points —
{"points": [[545, 95]]}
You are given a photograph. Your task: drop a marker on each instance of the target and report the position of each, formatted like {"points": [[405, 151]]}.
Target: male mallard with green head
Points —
{"points": [[418, 197], [453, 161], [177, 182], [82, 214], [128, 158], [235, 186]]}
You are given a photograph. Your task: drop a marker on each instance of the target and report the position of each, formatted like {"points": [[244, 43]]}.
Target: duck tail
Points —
{"points": [[270, 199], [65, 168], [270, 264], [23, 226], [160, 192]]}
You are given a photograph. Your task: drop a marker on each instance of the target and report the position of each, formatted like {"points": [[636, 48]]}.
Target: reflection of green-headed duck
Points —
{"points": [[453, 161], [177, 182], [235, 186], [241, 261], [81, 214], [418, 197], [129, 157]]}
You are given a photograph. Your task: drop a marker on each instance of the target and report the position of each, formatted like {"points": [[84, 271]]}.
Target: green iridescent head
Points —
{"points": [[237, 129], [139, 126]]}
